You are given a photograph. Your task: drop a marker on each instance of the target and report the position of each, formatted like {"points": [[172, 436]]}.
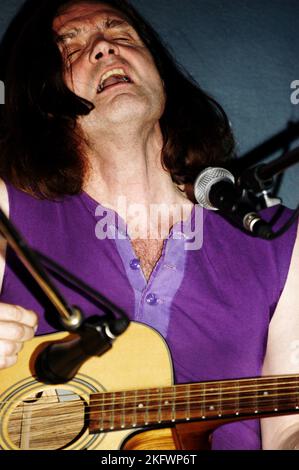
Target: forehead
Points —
{"points": [[85, 13]]}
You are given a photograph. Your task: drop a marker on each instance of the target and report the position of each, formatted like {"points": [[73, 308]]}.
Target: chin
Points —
{"points": [[125, 108]]}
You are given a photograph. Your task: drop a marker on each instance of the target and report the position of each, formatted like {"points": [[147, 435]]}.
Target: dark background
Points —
{"points": [[243, 52]]}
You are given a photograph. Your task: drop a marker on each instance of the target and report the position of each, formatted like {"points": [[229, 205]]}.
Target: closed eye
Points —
{"points": [[72, 53], [123, 38]]}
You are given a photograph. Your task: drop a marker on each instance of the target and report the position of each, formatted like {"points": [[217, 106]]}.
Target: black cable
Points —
{"points": [[55, 268], [286, 226]]}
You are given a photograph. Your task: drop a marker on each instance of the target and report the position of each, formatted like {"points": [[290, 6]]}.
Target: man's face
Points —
{"points": [[107, 63]]}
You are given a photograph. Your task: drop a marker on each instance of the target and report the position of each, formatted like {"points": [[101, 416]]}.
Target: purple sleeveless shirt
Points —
{"points": [[212, 304]]}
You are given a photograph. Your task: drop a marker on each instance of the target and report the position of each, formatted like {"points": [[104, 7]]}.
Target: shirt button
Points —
{"points": [[151, 299], [135, 264]]}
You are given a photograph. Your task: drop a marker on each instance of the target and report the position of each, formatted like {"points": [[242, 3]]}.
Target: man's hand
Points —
{"points": [[16, 326]]}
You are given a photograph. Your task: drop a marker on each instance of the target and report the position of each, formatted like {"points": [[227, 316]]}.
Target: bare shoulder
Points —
{"points": [[4, 203], [282, 354], [284, 326]]}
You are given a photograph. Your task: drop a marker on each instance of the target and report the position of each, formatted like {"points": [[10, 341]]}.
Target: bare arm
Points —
{"points": [[282, 357], [16, 324], [5, 207]]}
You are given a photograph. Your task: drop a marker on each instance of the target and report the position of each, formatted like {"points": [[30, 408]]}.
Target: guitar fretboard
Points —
{"points": [[232, 399]]}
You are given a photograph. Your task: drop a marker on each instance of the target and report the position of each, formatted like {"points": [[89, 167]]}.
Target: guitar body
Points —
{"points": [[48, 417], [125, 399]]}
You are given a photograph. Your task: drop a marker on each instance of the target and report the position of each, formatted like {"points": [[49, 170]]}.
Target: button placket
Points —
{"points": [[151, 299]]}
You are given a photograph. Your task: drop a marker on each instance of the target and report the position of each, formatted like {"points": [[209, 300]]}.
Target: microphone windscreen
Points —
{"points": [[205, 180]]}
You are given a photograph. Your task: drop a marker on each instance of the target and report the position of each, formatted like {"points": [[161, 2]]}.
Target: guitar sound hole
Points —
{"points": [[49, 420]]}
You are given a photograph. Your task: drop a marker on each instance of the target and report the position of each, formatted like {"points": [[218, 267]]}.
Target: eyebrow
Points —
{"points": [[109, 23], [114, 23]]}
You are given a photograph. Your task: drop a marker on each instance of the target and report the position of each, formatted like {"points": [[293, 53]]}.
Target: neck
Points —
{"points": [[217, 400], [127, 164]]}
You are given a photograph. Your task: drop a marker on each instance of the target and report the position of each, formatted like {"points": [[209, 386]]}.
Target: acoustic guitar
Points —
{"points": [[125, 400]]}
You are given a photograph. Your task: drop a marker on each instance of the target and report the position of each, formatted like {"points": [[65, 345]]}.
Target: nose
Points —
{"points": [[102, 48]]}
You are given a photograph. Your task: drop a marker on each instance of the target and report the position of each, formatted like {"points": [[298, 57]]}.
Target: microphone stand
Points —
{"points": [[260, 177], [258, 181], [59, 362], [280, 141]]}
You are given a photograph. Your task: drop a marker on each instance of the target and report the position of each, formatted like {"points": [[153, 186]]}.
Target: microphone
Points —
{"points": [[59, 361], [215, 189]]}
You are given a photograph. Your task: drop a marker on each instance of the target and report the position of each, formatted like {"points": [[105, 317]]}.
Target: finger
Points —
{"points": [[13, 331], [10, 348], [8, 361], [16, 313]]}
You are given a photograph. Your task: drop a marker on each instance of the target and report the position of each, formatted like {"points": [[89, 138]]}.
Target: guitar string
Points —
{"points": [[201, 390], [194, 390], [118, 400], [242, 404], [116, 424], [62, 417]]}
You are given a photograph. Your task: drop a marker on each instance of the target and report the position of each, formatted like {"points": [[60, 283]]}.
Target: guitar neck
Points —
{"points": [[229, 399]]}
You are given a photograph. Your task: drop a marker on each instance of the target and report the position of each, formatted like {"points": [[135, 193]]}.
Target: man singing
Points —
{"points": [[100, 120]]}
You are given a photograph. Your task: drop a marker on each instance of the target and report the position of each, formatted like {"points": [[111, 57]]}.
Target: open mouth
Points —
{"points": [[112, 78]]}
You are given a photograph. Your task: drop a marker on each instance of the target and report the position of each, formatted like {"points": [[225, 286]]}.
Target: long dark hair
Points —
{"points": [[42, 151]]}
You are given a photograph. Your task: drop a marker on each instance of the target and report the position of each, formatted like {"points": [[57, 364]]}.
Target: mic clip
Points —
{"points": [[259, 189], [60, 361], [252, 181]]}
